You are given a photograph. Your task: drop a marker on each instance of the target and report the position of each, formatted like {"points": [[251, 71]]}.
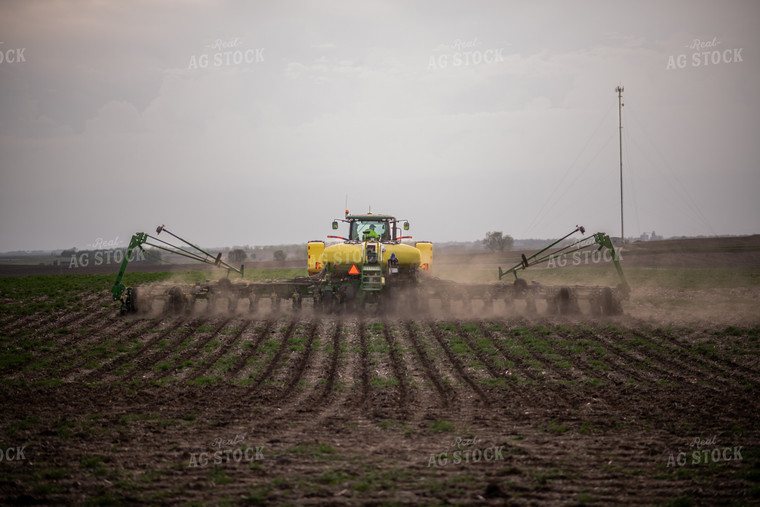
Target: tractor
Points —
{"points": [[372, 268]]}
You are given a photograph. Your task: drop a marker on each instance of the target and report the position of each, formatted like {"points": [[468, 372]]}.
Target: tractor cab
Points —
{"points": [[368, 226], [361, 230]]}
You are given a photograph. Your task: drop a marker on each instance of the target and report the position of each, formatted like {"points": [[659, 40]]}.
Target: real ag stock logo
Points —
{"points": [[466, 450], [11, 55], [705, 452], [12, 454], [704, 53], [583, 258], [225, 451], [463, 53], [100, 257], [226, 53]]}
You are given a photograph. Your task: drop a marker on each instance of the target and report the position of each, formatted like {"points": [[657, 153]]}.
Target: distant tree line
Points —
{"points": [[498, 241], [238, 255]]}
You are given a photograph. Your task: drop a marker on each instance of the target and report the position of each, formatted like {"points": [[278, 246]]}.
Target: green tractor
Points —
{"points": [[370, 266]]}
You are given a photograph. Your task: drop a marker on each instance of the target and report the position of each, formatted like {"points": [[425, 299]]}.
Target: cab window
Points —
{"points": [[380, 228]]}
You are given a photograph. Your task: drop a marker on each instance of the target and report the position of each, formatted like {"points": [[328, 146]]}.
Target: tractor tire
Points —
{"points": [[224, 285], [176, 301], [297, 302], [133, 306], [466, 304], [596, 305], [141, 301], [253, 303], [566, 303], [445, 302], [329, 302], [530, 306], [190, 303], [610, 303]]}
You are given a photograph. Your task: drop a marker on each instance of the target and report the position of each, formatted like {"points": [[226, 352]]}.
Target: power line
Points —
{"points": [[552, 198], [669, 174]]}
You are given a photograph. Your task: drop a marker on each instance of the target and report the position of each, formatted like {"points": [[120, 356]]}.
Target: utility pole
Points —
{"points": [[619, 91]]}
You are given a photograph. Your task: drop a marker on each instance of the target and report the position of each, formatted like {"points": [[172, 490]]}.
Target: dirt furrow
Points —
{"points": [[445, 393], [606, 367], [667, 368], [364, 362], [123, 359], [547, 369], [399, 371], [424, 402], [550, 367], [274, 362], [728, 370], [108, 356], [669, 393], [479, 353], [52, 347], [125, 332], [90, 313], [14, 325], [330, 409], [513, 391], [229, 397], [319, 397], [102, 320], [302, 406], [48, 350], [188, 353], [636, 362], [461, 397], [334, 357], [247, 353], [11, 322], [521, 366], [301, 364], [543, 372], [536, 347], [457, 363], [619, 369], [44, 325], [145, 361], [205, 362]]}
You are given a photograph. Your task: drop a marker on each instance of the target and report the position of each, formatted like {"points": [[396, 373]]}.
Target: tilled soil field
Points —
{"points": [[305, 409]]}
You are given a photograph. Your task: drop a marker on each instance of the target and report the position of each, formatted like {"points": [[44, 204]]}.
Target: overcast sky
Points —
{"points": [[240, 123]]}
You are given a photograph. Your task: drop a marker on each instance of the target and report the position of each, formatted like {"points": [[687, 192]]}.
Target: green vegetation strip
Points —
{"points": [[666, 278], [27, 295]]}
